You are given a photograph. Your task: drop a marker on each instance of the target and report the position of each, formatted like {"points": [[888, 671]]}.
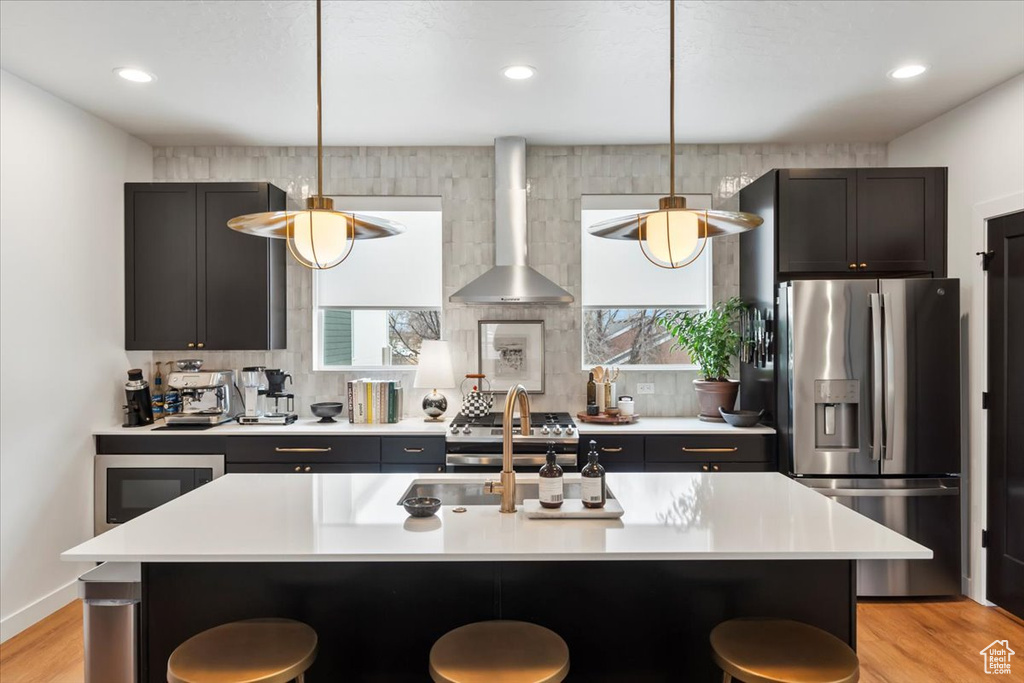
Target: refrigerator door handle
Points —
{"points": [[890, 377], [877, 381], [884, 492]]}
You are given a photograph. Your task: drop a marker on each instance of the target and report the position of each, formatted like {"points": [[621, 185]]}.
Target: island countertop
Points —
{"points": [[358, 518]]}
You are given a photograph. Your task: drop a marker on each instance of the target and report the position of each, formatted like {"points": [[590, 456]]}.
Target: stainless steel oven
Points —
{"points": [[127, 486]]}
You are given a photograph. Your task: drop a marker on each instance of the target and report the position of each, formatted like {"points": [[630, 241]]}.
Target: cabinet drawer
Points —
{"points": [[403, 468], [708, 467], [155, 443], [303, 449], [412, 449], [706, 448], [301, 468], [613, 449]]}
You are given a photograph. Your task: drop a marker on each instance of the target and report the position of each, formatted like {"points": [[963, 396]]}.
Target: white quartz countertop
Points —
{"points": [[357, 518], [416, 426], [670, 425]]}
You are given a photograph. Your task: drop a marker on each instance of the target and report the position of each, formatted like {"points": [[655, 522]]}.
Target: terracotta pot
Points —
{"points": [[715, 395]]}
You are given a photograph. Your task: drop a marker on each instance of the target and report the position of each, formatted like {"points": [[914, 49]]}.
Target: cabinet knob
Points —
{"points": [[714, 467], [201, 345], [191, 345], [704, 467], [298, 468], [308, 469], [853, 266], [440, 468], [862, 267]]}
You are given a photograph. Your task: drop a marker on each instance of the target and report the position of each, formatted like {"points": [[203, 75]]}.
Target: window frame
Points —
{"points": [[602, 202], [363, 204]]}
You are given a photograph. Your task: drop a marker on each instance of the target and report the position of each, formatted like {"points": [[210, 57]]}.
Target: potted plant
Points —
{"points": [[711, 340]]}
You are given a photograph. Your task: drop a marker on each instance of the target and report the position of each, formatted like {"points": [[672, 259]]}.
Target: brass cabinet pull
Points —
{"points": [[298, 468], [282, 449], [191, 345], [440, 468], [714, 467], [704, 467], [611, 449], [731, 449], [201, 345], [863, 265], [410, 449], [853, 266], [308, 468]]}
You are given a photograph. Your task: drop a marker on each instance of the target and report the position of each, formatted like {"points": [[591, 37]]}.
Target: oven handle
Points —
{"points": [[492, 459]]}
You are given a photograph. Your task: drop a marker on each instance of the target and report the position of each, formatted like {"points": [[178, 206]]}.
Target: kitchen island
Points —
{"points": [[635, 598]]}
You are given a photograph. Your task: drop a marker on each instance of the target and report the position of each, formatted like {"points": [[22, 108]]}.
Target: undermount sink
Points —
{"points": [[472, 493]]}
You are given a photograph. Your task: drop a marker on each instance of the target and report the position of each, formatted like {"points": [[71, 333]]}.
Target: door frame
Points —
{"points": [[975, 448]]}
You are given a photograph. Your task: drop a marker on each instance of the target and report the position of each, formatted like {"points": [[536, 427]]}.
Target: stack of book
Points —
{"points": [[373, 401]]}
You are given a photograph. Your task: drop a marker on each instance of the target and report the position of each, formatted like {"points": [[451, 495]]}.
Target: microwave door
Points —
{"points": [[921, 396]]}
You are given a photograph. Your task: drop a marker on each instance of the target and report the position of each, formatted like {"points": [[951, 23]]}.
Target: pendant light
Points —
{"points": [[318, 237], [674, 236]]}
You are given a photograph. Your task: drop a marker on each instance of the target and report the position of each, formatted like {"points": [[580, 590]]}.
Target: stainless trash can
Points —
{"points": [[110, 595]]}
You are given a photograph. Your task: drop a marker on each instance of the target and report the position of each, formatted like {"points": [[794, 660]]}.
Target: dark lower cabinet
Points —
{"points": [[710, 466], [193, 283], [309, 467], [412, 468], [616, 452]]}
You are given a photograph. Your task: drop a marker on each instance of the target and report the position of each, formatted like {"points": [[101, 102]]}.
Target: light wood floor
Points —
{"points": [[898, 642]]}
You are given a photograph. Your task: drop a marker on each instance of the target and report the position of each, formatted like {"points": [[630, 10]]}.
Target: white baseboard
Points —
{"points": [[17, 622]]}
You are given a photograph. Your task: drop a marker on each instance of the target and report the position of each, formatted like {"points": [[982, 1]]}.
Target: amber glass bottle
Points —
{"points": [[592, 480], [551, 490], [591, 392]]}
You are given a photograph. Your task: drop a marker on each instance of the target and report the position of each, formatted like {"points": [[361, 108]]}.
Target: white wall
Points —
{"points": [[62, 355], [982, 143]]}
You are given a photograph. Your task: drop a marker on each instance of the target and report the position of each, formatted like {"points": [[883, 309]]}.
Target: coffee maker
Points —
{"points": [[281, 404], [208, 397], [254, 391], [266, 401]]}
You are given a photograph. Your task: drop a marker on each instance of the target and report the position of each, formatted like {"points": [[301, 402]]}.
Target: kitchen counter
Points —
{"points": [[670, 425], [356, 518], [416, 426]]}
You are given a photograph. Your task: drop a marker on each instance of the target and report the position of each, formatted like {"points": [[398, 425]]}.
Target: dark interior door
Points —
{"points": [[1005, 559], [817, 220], [160, 265], [901, 220], [234, 283]]}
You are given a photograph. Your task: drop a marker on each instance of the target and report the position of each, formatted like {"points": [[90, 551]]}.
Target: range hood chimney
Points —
{"points": [[511, 280]]}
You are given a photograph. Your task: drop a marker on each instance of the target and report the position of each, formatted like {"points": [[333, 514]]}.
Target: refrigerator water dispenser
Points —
{"points": [[836, 414]]}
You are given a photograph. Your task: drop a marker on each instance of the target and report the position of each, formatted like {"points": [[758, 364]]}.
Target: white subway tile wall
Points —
{"points": [[557, 177]]}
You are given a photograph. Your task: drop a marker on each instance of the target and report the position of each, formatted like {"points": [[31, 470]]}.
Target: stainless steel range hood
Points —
{"points": [[511, 280]]}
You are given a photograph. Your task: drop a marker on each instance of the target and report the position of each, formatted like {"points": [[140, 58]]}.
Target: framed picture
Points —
{"points": [[512, 352]]}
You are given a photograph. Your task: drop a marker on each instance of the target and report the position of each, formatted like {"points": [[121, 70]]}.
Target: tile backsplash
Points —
{"points": [[557, 177]]}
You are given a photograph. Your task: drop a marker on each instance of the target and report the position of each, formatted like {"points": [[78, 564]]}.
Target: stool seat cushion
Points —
{"points": [[782, 651], [499, 652], [250, 651]]}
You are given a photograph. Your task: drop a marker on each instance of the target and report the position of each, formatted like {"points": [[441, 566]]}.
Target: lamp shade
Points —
{"points": [[434, 370]]}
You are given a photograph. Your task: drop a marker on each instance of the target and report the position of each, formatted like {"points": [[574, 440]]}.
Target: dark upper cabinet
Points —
{"points": [[817, 228], [190, 281]]}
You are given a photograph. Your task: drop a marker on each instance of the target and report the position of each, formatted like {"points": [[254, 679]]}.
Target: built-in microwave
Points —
{"points": [[127, 486]]}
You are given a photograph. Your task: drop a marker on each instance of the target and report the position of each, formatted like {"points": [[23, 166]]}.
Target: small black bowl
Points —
{"points": [[326, 411], [741, 418], [421, 507]]}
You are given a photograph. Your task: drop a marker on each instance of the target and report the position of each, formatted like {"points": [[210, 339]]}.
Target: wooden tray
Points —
{"points": [[607, 419], [572, 509]]}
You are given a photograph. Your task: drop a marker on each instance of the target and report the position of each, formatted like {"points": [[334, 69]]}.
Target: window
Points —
{"points": [[623, 294], [376, 308]]}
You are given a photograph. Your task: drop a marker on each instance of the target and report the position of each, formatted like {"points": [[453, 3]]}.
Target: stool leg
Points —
{"points": [[726, 677], [301, 678]]}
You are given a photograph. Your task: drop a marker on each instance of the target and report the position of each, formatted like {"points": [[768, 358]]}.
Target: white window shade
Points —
{"points": [[403, 271], [616, 274]]}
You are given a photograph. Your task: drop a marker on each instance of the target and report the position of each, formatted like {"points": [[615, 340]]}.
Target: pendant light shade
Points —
{"points": [[674, 236], [318, 237]]}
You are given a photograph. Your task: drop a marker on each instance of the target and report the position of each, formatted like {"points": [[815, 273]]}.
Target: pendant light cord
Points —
{"points": [[319, 118], [671, 97]]}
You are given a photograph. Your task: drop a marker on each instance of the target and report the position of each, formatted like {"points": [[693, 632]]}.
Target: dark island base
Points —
{"points": [[623, 620]]}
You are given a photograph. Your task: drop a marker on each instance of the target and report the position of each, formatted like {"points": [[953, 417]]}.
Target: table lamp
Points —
{"points": [[434, 371]]}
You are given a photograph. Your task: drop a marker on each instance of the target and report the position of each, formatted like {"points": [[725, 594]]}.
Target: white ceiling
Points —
{"points": [[408, 72]]}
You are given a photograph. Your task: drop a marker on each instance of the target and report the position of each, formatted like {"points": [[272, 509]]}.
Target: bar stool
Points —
{"points": [[781, 651], [499, 652], [250, 651]]}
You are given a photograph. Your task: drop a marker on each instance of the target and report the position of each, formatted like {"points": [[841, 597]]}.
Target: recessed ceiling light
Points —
{"points": [[908, 71], [519, 72], [134, 75]]}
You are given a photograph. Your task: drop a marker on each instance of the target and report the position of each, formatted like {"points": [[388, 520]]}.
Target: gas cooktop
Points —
{"points": [[546, 426]]}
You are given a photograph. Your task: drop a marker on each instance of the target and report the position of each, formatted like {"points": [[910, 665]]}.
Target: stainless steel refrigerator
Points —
{"points": [[869, 413]]}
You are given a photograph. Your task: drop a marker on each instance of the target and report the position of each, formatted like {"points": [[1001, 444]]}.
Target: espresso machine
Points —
{"points": [[208, 397], [266, 401]]}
